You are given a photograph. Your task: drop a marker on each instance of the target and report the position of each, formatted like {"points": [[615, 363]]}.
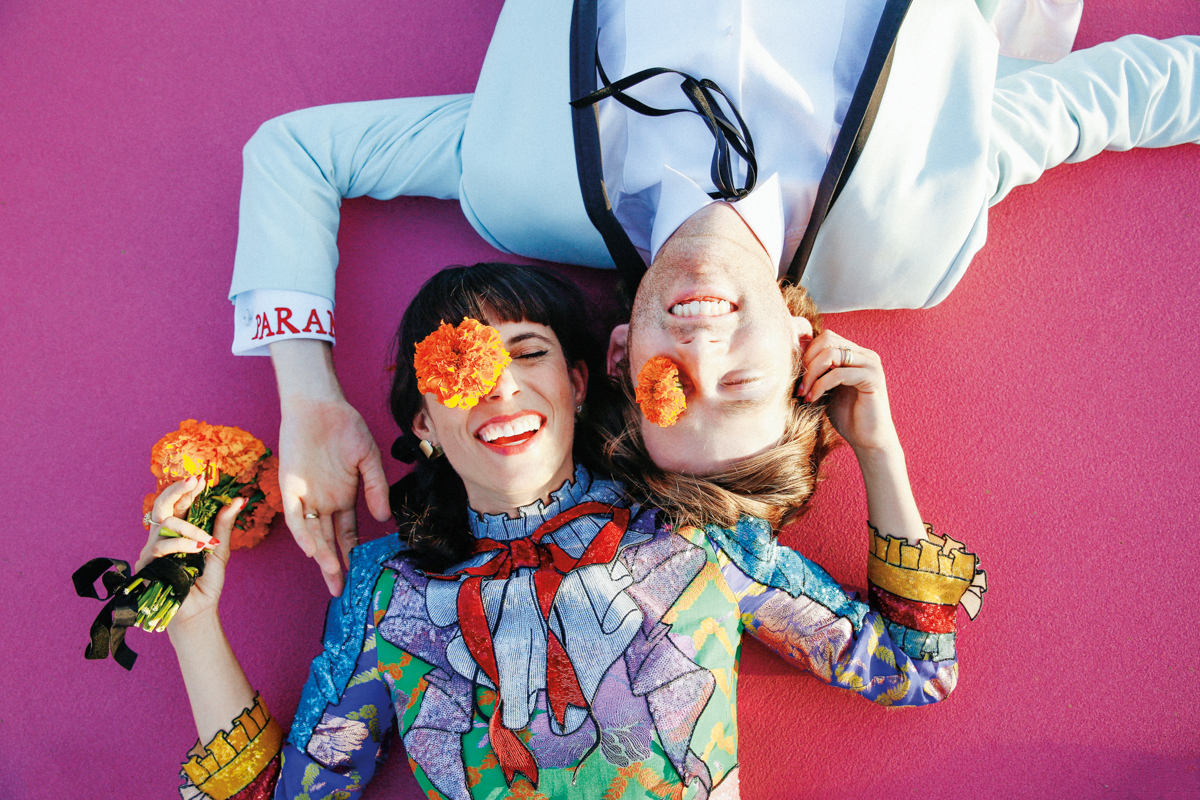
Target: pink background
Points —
{"points": [[1048, 409]]}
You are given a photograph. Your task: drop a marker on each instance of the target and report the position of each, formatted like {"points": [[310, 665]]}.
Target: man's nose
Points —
{"points": [[699, 354]]}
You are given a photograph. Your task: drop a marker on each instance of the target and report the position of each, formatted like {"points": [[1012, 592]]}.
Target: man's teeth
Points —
{"points": [[517, 426], [701, 308]]}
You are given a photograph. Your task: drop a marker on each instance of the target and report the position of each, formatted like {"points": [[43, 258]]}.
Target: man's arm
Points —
{"points": [[297, 169], [324, 446]]}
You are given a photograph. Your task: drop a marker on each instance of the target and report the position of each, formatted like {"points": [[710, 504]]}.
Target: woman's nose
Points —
{"points": [[505, 387]]}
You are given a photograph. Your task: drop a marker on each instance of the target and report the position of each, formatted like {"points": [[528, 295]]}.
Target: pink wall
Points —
{"points": [[1048, 406]]}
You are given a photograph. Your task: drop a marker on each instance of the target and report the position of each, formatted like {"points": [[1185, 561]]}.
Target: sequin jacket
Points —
{"points": [[576, 669]]}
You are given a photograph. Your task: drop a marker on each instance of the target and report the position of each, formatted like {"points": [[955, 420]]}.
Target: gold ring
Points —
{"points": [[848, 359], [312, 515]]}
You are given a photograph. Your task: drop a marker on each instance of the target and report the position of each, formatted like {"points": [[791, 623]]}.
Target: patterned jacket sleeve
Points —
{"points": [[339, 733], [900, 650]]}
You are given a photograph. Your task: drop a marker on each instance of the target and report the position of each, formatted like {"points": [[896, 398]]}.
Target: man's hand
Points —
{"points": [[853, 376], [324, 446]]}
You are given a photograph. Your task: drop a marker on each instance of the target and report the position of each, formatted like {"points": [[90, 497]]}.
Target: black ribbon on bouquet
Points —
{"points": [[120, 609]]}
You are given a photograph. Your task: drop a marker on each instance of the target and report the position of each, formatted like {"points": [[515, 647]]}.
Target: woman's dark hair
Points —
{"points": [[430, 503]]}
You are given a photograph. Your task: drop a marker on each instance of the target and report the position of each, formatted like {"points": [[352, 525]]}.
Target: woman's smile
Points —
{"points": [[512, 434]]}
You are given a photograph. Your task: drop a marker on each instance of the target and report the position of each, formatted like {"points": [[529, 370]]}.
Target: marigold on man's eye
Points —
{"points": [[659, 392], [460, 365]]}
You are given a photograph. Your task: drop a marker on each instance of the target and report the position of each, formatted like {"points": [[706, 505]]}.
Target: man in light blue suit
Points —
{"points": [[604, 185]]}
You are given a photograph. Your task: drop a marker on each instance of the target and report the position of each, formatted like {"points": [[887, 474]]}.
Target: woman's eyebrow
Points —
{"points": [[523, 337]]}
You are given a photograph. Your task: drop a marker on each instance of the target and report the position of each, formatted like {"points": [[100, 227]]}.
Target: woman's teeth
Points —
{"points": [[701, 308], [493, 434]]}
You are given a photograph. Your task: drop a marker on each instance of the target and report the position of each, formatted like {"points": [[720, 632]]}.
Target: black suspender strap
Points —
{"points": [[855, 129], [588, 163]]}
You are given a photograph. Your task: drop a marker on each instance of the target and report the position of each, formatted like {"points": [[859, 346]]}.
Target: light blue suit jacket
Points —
{"points": [[947, 142]]}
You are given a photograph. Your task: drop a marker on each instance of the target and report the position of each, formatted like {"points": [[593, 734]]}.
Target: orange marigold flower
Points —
{"points": [[659, 392], [252, 529], [219, 452], [460, 365], [199, 448], [147, 506]]}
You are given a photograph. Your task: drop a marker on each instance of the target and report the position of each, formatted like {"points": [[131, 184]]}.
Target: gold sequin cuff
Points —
{"points": [[232, 760], [937, 570]]}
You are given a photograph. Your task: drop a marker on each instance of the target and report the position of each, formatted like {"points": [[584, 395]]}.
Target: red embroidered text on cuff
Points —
{"points": [[262, 316]]}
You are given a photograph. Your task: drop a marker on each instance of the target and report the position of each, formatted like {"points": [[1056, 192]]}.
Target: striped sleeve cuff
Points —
{"points": [[262, 316], [232, 761], [918, 587]]}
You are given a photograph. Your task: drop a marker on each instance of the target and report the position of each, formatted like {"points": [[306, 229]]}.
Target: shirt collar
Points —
{"points": [[680, 197], [582, 487]]}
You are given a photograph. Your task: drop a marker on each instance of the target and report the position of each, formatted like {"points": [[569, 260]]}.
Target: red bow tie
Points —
{"points": [[551, 564]]}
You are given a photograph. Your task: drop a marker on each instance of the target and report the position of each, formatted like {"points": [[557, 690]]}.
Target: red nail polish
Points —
{"points": [[213, 541], [199, 545]]}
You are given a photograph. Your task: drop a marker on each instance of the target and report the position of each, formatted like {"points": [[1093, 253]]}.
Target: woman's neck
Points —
{"points": [[511, 504], [523, 520]]}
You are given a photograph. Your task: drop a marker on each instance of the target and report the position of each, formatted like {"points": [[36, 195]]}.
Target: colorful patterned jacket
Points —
{"points": [[585, 648]]}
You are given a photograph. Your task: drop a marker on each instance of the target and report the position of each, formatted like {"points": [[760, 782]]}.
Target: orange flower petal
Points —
{"points": [[659, 392], [459, 365]]}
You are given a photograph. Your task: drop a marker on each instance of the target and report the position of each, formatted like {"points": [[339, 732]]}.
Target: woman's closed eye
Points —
{"points": [[529, 355]]}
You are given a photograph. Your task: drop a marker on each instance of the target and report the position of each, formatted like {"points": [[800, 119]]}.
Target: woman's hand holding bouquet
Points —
{"points": [[170, 532], [207, 475]]}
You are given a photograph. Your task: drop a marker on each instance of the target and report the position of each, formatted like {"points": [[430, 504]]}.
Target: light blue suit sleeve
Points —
{"points": [[298, 167], [1134, 92]]}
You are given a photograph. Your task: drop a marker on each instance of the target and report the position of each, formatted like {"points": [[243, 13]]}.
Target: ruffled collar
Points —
{"points": [[581, 488]]}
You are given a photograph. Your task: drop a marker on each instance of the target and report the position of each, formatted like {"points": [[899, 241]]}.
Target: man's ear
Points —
{"points": [[617, 347], [421, 428], [802, 332]]}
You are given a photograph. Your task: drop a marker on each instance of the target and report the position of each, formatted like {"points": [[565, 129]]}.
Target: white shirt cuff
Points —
{"points": [[262, 316]]}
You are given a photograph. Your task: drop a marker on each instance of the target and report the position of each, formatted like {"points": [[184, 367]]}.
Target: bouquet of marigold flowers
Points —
{"points": [[233, 464]]}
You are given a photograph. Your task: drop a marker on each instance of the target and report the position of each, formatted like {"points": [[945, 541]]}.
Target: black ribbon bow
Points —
{"points": [[120, 609]]}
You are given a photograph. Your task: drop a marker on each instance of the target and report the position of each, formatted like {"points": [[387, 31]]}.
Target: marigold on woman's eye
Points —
{"points": [[460, 365], [659, 392]]}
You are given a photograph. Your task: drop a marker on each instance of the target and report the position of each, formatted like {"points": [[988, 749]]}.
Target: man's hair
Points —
{"points": [[774, 485]]}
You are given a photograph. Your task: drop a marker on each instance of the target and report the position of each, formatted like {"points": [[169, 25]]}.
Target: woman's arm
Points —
{"points": [[896, 651], [859, 409], [216, 684], [241, 753], [243, 739]]}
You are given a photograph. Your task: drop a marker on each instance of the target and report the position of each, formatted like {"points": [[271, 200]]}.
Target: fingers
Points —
{"points": [[174, 535], [331, 568], [169, 502], [293, 513], [830, 354], [375, 486], [345, 525], [223, 529]]}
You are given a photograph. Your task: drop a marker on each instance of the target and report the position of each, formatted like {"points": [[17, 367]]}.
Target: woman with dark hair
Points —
{"points": [[530, 625]]}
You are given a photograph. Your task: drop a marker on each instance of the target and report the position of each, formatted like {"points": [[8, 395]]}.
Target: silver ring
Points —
{"points": [[312, 515], [848, 357], [148, 520]]}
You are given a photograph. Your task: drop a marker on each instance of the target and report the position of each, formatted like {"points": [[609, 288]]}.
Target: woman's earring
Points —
{"points": [[431, 451], [579, 408]]}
